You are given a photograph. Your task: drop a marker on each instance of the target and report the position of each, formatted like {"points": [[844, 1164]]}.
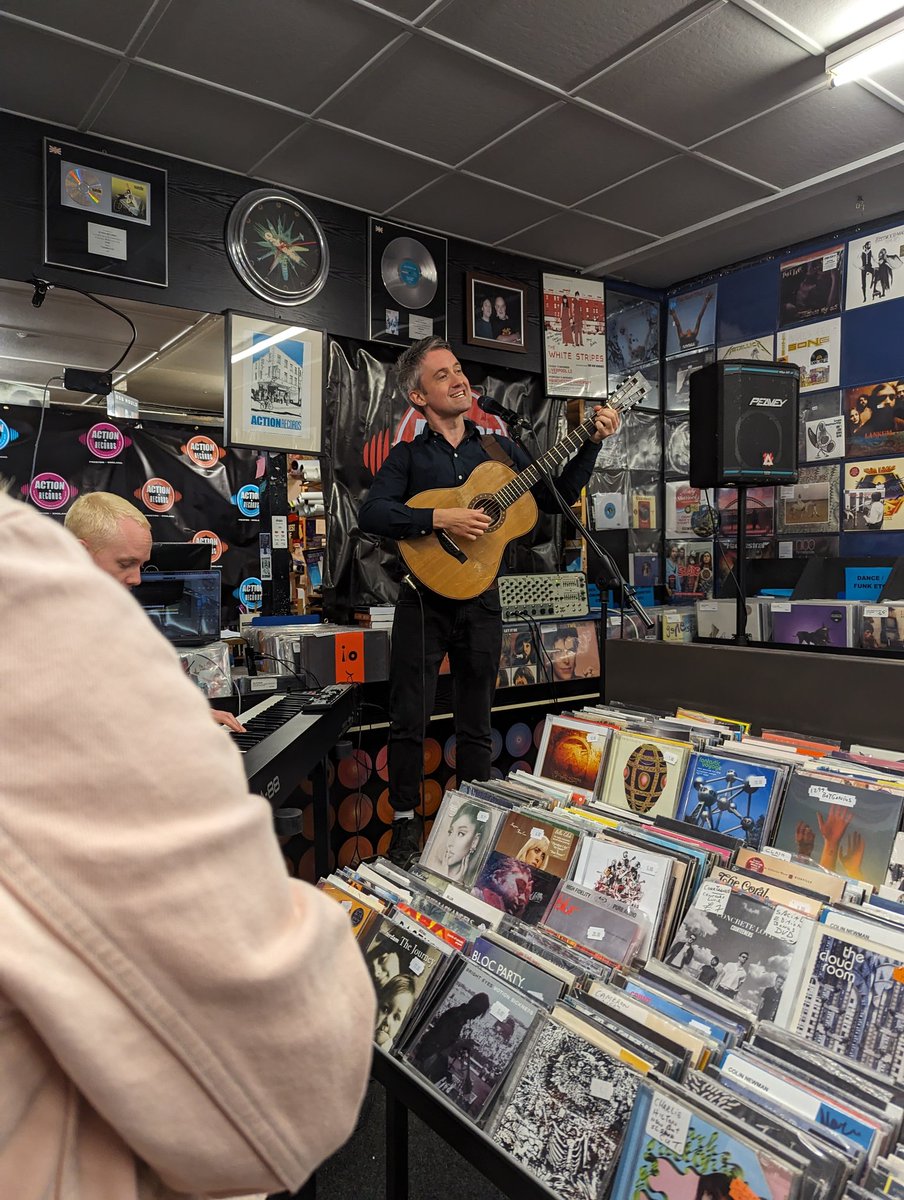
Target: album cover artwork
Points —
{"points": [[472, 1038], [643, 439], [643, 774], [881, 479], [806, 547], [407, 283], [810, 286], [677, 445], [760, 515], [643, 510], [874, 268], [691, 320], [854, 1004], [689, 573], [761, 349], [743, 948], [586, 917], [728, 795], [609, 510], [673, 1150], [637, 878], [717, 619], [517, 971], [515, 887], [400, 965], [567, 1083], [874, 418], [882, 627], [816, 349], [824, 439], [572, 751], [527, 837], [812, 505], [570, 651], [683, 505], [803, 624], [650, 375], [645, 570], [863, 509], [632, 332], [678, 372], [462, 832], [842, 824]]}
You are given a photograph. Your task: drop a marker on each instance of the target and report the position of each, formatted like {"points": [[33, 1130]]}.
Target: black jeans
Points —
{"points": [[471, 632]]}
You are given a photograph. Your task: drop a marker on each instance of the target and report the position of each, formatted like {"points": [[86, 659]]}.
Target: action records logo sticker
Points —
{"points": [[248, 500], [203, 451], [158, 495], [105, 440], [250, 592], [50, 491], [7, 434], [206, 537]]}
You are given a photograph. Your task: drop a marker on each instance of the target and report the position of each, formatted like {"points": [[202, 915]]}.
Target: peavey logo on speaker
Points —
{"points": [[767, 402]]}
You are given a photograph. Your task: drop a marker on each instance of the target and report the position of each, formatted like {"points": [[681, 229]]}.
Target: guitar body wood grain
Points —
{"points": [[436, 568]]}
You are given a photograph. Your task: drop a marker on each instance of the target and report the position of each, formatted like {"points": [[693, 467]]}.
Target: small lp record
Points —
{"points": [[407, 284]]}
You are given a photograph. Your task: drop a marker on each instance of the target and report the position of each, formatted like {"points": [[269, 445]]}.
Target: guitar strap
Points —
{"points": [[492, 447]]}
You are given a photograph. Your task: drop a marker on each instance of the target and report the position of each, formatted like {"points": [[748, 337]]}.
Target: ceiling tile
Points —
{"points": [[568, 153], [471, 208], [720, 70], [571, 238], [149, 108], [831, 21], [325, 162], [68, 81], [578, 41], [433, 100], [410, 10], [327, 42], [107, 22], [673, 195], [818, 133]]}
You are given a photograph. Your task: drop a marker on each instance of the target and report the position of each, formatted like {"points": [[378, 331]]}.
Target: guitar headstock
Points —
{"points": [[629, 393]]}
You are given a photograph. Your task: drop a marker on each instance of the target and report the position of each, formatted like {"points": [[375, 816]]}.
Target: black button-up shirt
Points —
{"points": [[429, 461]]}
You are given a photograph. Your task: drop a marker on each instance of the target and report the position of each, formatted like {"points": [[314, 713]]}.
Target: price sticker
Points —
{"points": [[668, 1122]]}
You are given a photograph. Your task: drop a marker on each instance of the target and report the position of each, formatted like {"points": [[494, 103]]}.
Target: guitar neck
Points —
{"points": [[551, 461]]}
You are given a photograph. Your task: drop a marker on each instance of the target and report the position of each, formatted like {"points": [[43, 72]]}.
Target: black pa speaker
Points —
{"points": [[743, 427]]}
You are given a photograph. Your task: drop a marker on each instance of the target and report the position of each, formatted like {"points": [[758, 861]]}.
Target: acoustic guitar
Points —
{"points": [[460, 569]]}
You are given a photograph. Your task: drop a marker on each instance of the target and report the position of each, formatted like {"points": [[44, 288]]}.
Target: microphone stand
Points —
{"points": [[516, 423]]}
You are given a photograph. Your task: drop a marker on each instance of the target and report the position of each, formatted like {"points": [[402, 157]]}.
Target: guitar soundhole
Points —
{"points": [[491, 506]]}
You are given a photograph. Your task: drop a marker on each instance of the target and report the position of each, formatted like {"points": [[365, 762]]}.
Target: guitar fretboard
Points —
{"points": [[552, 460]]}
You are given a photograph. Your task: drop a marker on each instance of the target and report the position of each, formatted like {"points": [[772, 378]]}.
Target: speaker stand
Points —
{"points": [[741, 638]]}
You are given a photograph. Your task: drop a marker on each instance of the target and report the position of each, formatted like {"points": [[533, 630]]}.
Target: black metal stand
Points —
{"points": [[740, 637], [615, 578]]}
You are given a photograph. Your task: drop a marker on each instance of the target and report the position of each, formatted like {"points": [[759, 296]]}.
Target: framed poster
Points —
{"points": [[274, 385], [496, 311], [407, 284], [574, 337], [104, 214]]}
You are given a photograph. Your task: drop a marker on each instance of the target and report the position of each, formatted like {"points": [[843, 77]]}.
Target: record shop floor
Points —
{"points": [[436, 1171]]}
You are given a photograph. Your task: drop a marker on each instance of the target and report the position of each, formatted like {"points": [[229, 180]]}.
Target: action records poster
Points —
{"points": [[691, 321], [760, 349], [816, 349], [810, 286], [869, 478], [875, 268], [407, 293], [574, 337]]}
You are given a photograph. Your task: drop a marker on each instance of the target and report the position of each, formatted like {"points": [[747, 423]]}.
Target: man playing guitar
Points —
{"points": [[470, 630]]}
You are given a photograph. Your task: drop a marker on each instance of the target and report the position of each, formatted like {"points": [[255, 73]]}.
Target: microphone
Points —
{"points": [[488, 405]]}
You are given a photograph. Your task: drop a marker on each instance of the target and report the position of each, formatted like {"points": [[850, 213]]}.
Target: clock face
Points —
{"points": [[277, 247]]}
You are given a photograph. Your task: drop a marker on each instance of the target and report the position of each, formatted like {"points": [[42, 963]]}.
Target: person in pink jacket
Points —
{"points": [[178, 1017]]}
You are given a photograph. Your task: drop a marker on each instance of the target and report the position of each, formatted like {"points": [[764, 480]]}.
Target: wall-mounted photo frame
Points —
{"points": [[496, 312], [274, 385], [104, 214], [574, 337]]}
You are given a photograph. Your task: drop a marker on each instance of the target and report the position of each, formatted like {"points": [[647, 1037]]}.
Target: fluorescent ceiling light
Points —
{"points": [[267, 343], [868, 55]]}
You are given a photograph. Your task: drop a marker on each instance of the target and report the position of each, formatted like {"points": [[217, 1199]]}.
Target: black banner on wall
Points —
{"points": [[366, 416], [180, 476]]}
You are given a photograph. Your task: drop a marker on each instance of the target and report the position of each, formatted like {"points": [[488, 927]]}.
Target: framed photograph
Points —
{"points": [[104, 214], [574, 336], [274, 385], [496, 310]]}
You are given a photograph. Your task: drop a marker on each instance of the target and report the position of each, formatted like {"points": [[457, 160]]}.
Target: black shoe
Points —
{"points": [[407, 839]]}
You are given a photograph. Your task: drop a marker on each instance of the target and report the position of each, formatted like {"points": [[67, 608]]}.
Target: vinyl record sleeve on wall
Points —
{"points": [[407, 283]]}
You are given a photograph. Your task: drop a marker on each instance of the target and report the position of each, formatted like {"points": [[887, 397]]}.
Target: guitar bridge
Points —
{"points": [[450, 547]]}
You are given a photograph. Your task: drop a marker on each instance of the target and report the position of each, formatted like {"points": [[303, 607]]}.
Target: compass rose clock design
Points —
{"points": [[277, 247]]}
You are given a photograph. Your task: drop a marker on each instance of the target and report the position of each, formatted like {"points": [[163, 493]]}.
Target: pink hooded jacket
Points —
{"points": [[177, 1016]]}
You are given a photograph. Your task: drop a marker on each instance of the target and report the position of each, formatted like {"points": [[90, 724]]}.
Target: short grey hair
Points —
{"points": [[410, 361]]}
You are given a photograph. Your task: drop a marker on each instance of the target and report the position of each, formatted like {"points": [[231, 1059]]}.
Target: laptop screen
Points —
{"points": [[184, 605]]}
